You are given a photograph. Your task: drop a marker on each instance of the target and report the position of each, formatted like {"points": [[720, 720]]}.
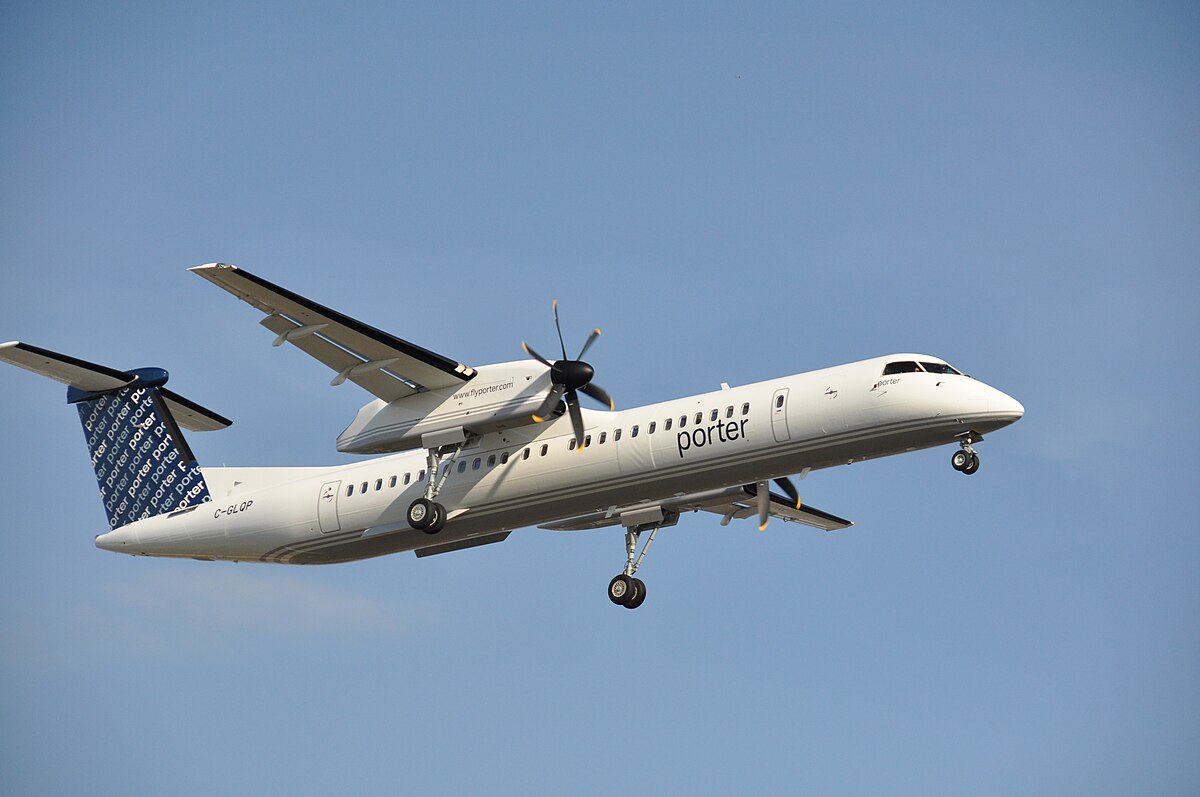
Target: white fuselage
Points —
{"points": [[531, 474]]}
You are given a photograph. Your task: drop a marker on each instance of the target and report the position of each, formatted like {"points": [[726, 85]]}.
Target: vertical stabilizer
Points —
{"points": [[131, 421], [143, 465]]}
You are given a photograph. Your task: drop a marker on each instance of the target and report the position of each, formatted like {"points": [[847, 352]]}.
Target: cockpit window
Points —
{"points": [[901, 368], [940, 368]]}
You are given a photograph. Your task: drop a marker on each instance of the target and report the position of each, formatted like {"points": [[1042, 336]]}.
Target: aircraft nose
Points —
{"points": [[1000, 403]]}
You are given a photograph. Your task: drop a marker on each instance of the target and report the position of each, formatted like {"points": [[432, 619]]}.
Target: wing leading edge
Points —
{"points": [[382, 364]]}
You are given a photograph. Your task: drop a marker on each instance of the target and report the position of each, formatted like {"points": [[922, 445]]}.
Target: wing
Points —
{"points": [[731, 503], [381, 364]]}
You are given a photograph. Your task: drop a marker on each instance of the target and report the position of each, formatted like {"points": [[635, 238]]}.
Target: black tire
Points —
{"points": [[439, 519], [959, 460], [640, 597], [420, 513], [621, 589], [972, 466]]}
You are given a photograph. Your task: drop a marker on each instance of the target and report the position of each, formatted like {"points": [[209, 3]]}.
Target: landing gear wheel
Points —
{"points": [[420, 513], [971, 466], [439, 519], [639, 597], [960, 460], [622, 589]]}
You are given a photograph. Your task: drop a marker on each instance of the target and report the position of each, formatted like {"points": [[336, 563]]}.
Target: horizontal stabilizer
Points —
{"points": [[87, 377]]}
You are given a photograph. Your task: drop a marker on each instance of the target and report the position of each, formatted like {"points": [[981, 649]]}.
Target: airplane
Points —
{"points": [[473, 453]]}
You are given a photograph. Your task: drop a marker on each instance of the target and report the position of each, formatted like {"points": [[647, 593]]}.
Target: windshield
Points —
{"points": [[940, 368], [906, 367]]}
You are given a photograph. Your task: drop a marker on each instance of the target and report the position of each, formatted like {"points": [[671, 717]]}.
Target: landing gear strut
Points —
{"points": [[965, 460], [624, 589], [425, 513]]}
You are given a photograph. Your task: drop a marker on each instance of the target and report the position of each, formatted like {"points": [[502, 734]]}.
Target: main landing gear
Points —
{"points": [[425, 513], [624, 589], [965, 460]]}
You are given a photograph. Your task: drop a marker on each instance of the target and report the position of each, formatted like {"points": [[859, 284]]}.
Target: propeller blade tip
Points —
{"points": [[763, 527], [537, 419]]}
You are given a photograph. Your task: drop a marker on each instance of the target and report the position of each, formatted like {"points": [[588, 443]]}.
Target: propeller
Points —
{"points": [[763, 493], [569, 378]]}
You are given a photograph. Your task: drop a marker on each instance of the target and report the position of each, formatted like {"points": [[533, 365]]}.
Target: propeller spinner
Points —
{"points": [[569, 378]]}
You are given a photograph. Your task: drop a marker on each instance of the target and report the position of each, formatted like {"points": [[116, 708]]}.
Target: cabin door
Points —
{"points": [[327, 514]]}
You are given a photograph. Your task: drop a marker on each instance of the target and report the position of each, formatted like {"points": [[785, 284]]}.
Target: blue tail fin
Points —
{"points": [[143, 464]]}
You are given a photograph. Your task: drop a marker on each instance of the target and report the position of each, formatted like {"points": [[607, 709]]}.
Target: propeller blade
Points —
{"points": [[552, 399], [764, 506], [559, 328], [598, 393], [535, 355], [789, 489], [576, 418], [591, 339]]}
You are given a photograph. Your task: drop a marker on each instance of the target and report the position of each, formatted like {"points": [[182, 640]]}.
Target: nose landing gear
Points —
{"points": [[965, 460]]}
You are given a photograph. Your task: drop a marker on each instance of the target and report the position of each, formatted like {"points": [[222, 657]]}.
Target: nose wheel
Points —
{"points": [[965, 460]]}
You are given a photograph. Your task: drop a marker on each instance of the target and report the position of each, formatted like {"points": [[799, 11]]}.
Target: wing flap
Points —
{"points": [[338, 340], [377, 382], [731, 503]]}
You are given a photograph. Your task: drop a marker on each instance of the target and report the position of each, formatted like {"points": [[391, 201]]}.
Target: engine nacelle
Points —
{"points": [[500, 396]]}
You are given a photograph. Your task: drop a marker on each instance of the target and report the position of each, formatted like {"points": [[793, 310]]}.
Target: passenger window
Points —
{"points": [[729, 411], [462, 466], [406, 478], [349, 490], [603, 437], [504, 458], [682, 421], [545, 448], [363, 489], [667, 424], [746, 408], [392, 482], [699, 417], [650, 430], [526, 454], [633, 431], [379, 484], [475, 465], [779, 402], [587, 441], [901, 368], [492, 461], [421, 475], [713, 416], [616, 435], [571, 445]]}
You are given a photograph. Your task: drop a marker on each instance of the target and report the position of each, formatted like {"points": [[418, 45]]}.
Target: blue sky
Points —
{"points": [[732, 192]]}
